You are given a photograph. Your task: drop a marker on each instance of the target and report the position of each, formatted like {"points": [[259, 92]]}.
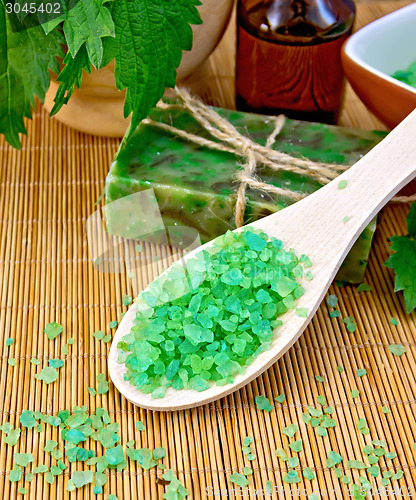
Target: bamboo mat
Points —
{"points": [[47, 191]]}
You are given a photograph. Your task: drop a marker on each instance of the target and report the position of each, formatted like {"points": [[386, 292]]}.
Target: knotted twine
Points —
{"points": [[232, 141]]}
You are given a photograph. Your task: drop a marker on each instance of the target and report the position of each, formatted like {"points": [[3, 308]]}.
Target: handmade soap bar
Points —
{"points": [[196, 186]]}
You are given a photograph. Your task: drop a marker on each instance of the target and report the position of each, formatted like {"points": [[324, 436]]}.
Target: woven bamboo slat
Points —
{"points": [[47, 192]]}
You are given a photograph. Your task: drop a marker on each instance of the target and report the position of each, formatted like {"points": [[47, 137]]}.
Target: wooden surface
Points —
{"points": [[48, 190]]}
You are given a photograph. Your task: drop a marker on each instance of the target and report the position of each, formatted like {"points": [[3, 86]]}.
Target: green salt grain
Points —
{"points": [[399, 474], [348, 319], [35, 361], [385, 482], [388, 474], [367, 450], [47, 374], [280, 453], [238, 479], [107, 338], [57, 454], [269, 488], [52, 330], [126, 299], [9, 341], [12, 437], [364, 287], [6, 427], [56, 363], [159, 453], [91, 391], [293, 462], [391, 455], [280, 399], [397, 349], [70, 341], [81, 478], [12, 361], [99, 335], [355, 393], [112, 324], [345, 479], [336, 457], [262, 403], [23, 459], [115, 455], [306, 418], [308, 474], [332, 300], [342, 184], [292, 477], [351, 327], [247, 471], [40, 469], [296, 446], [356, 464], [102, 387], [313, 496], [15, 475], [378, 442], [318, 378], [335, 314], [361, 372], [361, 423], [112, 497], [65, 349], [321, 400], [29, 477], [302, 312], [394, 321], [27, 419], [247, 440], [340, 369], [140, 426], [50, 445], [290, 430], [321, 431], [374, 470]]}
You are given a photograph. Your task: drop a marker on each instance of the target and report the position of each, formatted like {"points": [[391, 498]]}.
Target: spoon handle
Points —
{"points": [[370, 184]]}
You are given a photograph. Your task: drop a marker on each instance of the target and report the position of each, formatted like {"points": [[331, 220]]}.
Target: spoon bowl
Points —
{"points": [[324, 226]]}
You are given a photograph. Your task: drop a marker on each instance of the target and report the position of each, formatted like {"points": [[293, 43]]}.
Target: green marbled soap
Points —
{"points": [[195, 186]]}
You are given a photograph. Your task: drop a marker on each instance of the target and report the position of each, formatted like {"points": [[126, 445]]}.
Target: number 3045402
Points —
{"points": [[33, 8]]}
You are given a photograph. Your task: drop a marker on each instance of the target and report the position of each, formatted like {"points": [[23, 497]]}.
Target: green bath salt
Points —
{"points": [[206, 323]]}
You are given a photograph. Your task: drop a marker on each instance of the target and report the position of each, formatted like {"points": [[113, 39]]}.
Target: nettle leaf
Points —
{"points": [[87, 23], [70, 76], [25, 59], [403, 261], [148, 44]]}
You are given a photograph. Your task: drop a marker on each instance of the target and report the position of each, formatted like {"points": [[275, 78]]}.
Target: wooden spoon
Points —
{"points": [[315, 227]]}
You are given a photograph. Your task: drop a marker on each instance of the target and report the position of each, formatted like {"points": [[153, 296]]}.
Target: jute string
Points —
{"points": [[230, 140]]}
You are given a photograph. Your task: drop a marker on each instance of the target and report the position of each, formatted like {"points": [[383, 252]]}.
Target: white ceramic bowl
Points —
{"points": [[374, 53]]}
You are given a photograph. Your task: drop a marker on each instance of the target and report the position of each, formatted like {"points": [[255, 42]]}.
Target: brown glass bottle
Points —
{"points": [[288, 56]]}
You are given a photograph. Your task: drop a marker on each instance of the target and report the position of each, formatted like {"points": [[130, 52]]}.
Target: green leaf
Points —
{"points": [[402, 261], [70, 76], [25, 59], [87, 23], [148, 44]]}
